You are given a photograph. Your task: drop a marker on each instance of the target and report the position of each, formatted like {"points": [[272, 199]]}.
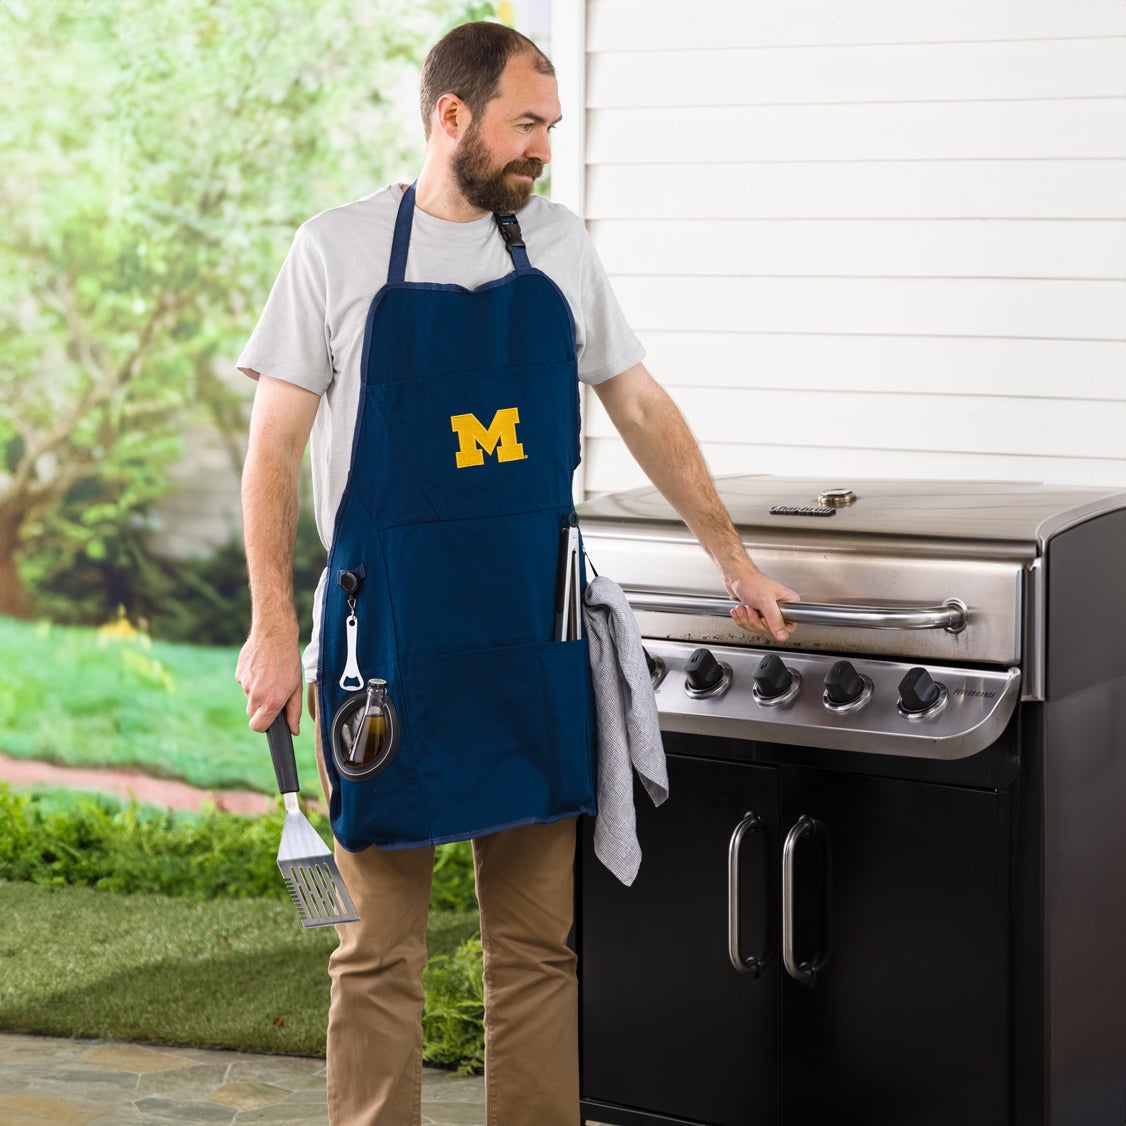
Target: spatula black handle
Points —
{"points": [[281, 751]]}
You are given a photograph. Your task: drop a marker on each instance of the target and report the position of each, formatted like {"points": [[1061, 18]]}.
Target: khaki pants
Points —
{"points": [[525, 887]]}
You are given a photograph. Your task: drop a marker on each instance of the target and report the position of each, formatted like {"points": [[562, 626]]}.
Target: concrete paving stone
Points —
{"points": [[179, 1110], [126, 1116], [194, 1080], [454, 1114], [296, 1073], [464, 1089], [134, 1057], [201, 1055], [130, 1115], [20, 1047], [13, 1079], [247, 1096], [74, 1088], [24, 1110], [35, 1069], [284, 1115], [17, 1078], [307, 1100], [93, 1078]]}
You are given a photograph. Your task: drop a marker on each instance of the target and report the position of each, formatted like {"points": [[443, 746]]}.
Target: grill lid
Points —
{"points": [[767, 508]]}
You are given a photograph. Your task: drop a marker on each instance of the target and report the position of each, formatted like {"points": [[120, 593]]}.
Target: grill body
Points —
{"points": [[862, 915]]}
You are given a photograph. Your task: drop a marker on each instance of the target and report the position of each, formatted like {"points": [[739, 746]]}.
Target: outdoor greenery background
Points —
{"points": [[156, 161]]}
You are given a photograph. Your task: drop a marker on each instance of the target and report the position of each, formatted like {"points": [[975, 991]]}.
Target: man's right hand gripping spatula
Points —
{"points": [[307, 864]]}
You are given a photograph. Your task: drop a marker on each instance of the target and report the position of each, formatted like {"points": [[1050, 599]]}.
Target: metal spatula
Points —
{"points": [[307, 864]]}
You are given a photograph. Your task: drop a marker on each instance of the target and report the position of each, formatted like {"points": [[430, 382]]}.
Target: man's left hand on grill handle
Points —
{"points": [[759, 596]]}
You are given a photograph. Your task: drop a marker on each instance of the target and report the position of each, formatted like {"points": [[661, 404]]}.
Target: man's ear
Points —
{"points": [[452, 116]]}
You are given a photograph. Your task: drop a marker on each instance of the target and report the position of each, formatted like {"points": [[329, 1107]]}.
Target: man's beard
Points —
{"points": [[486, 189]]}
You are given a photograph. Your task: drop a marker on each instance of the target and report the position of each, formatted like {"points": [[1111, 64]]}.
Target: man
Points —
{"points": [[431, 349]]}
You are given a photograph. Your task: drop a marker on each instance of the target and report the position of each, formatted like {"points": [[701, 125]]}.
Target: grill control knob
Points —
{"points": [[772, 678], [919, 694], [655, 666], [844, 685], [775, 682], [703, 673]]}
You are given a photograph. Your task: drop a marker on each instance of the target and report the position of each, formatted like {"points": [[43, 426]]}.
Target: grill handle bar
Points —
{"points": [[804, 972], [749, 964], [952, 615]]}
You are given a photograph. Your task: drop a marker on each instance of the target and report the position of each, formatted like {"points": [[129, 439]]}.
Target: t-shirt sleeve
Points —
{"points": [[607, 344], [291, 340]]}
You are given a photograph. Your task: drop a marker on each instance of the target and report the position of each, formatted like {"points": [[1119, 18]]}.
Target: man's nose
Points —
{"points": [[539, 147]]}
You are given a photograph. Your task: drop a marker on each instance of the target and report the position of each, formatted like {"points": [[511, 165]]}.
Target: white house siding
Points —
{"points": [[871, 238]]}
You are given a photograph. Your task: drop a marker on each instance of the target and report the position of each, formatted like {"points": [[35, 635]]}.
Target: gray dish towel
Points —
{"points": [[628, 730]]}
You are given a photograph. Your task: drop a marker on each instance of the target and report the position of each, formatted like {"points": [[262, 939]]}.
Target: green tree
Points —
{"points": [[156, 159]]}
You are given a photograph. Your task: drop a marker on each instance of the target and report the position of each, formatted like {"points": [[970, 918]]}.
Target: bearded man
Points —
{"points": [[430, 339]]}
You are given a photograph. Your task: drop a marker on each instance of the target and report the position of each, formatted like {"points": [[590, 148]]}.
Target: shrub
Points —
{"points": [[98, 843], [453, 887], [453, 1018], [95, 841]]}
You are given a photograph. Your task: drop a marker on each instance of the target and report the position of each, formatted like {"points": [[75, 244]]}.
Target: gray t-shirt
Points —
{"points": [[311, 331]]}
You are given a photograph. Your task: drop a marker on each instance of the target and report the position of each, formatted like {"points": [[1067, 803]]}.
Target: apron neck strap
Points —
{"points": [[397, 268], [514, 240]]}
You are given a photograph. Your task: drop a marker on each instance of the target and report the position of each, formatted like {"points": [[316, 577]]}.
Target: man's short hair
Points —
{"points": [[469, 62]]}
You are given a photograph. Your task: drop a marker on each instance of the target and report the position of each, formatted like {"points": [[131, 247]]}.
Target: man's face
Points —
{"points": [[504, 150]]}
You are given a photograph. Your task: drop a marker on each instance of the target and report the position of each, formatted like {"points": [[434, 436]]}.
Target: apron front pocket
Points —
{"points": [[502, 735], [473, 584]]}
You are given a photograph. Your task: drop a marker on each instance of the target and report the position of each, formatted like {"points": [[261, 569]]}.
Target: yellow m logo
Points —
{"points": [[477, 440]]}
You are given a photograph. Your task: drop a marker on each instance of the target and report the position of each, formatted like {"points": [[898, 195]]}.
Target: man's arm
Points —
{"points": [[657, 435], [269, 666]]}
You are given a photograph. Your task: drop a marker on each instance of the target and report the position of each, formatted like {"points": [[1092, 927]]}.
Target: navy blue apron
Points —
{"points": [[466, 441]]}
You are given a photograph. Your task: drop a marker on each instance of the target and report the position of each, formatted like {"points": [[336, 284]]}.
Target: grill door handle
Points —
{"points": [[804, 972], [751, 964], [951, 615]]}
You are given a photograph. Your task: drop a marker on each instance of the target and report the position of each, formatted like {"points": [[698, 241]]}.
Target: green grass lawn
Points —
{"points": [[129, 922], [221, 974], [110, 697]]}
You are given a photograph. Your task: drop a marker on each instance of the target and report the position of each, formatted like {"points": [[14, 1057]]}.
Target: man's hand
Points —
{"points": [[269, 670], [759, 595]]}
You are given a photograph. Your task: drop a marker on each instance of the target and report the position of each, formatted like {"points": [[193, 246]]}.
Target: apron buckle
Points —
{"points": [[510, 231]]}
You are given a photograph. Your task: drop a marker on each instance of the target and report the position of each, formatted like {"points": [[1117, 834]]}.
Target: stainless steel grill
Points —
{"points": [[917, 794]]}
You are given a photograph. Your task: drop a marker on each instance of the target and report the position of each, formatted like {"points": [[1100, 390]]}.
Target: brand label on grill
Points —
{"points": [[801, 510]]}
